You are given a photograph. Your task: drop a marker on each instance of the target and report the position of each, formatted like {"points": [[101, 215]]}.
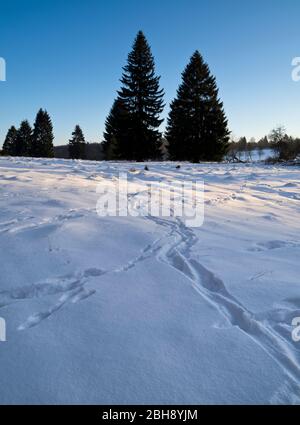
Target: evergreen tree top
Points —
{"points": [[42, 115], [78, 135], [140, 92], [140, 67], [10, 140], [12, 128], [24, 126], [42, 141], [140, 51], [43, 125], [11, 131], [198, 84]]}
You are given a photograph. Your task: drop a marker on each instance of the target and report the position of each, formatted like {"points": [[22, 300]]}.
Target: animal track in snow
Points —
{"points": [[275, 244], [36, 318], [273, 336]]}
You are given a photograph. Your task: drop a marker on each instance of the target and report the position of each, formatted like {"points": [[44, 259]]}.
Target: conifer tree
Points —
{"points": [[77, 144], [42, 140], [23, 139], [197, 126], [142, 103], [9, 145], [116, 141]]}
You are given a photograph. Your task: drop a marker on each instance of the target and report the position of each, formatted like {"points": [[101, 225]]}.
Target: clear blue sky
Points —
{"points": [[66, 56]]}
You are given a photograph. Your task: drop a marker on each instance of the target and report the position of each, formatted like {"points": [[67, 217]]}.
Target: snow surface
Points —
{"points": [[143, 309]]}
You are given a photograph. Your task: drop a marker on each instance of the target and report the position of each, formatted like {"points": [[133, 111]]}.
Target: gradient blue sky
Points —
{"points": [[66, 56]]}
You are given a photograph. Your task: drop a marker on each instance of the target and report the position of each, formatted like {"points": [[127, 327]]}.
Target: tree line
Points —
{"points": [[196, 130], [38, 141], [283, 146], [28, 141], [196, 126]]}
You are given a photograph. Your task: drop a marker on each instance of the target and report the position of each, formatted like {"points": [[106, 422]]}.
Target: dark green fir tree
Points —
{"points": [[197, 125], [23, 139], [42, 140], [136, 136], [77, 144], [9, 145], [116, 137]]}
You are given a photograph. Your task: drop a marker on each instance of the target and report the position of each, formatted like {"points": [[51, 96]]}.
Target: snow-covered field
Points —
{"points": [[146, 310]]}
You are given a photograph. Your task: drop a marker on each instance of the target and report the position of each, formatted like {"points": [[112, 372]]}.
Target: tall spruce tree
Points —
{"points": [[136, 135], [197, 126], [23, 139], [9, 145], [116, 138], [42, 140], [77, 144]]}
